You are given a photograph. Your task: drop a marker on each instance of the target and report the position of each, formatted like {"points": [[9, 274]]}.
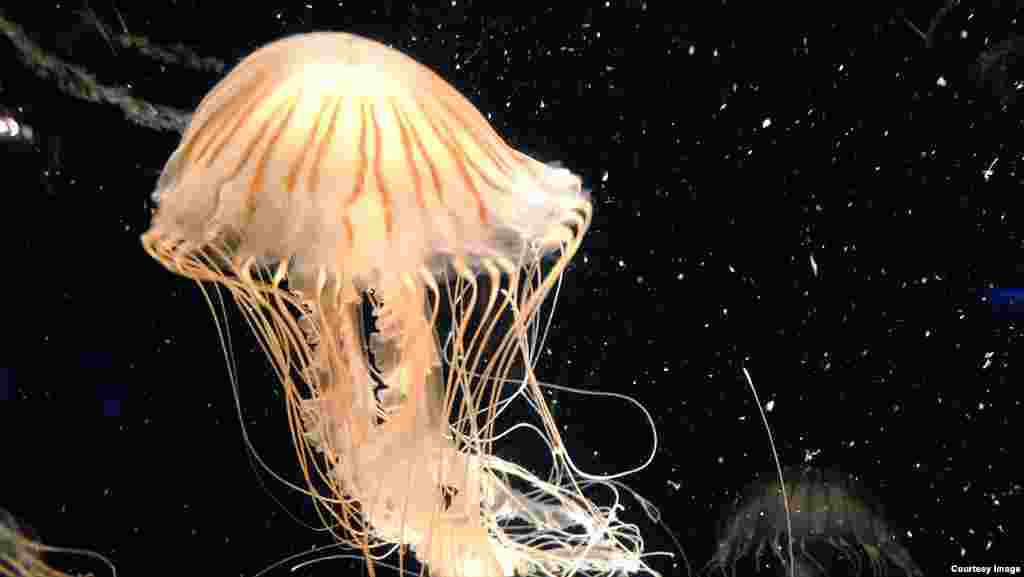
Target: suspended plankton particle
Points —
{"points": [[327, 172], [13, 130]]}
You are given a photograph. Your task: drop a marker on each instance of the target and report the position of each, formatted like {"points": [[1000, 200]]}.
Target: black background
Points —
{"points": [[726, 148]]}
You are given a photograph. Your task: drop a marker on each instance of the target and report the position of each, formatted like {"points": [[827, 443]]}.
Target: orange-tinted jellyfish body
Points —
{"points": [[328, 171], [22, 554]]}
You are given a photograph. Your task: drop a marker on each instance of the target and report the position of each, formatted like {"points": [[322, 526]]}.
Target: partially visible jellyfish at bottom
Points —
{"points": [[22, 553], [999, 69], [837, 529], [328, 174]]}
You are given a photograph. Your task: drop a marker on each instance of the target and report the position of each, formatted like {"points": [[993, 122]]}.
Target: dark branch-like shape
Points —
{"points": [[77, 82], [177, 54]]}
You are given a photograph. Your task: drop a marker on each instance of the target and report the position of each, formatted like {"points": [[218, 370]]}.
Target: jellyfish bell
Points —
{"points": [[837, 528], [327, 171], [354, 160]]}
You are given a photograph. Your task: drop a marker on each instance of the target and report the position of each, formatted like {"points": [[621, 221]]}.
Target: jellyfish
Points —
{"points": [[997, 69], [328, 175], [21, 553], [835, 526]]}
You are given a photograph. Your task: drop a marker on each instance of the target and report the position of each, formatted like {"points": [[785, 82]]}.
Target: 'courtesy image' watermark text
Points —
{"points": [[985, 569]]}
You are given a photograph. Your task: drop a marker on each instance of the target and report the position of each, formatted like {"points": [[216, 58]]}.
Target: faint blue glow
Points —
{"points": [[1006, 302], [6, 384], [111, 407]]}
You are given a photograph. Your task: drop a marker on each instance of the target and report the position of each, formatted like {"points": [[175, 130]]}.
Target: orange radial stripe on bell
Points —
{"points": [[282, 126], [378, 173], [311, 141], [435, 177], [359, 185], [410, 154], [325, 146], [456, 154], [213, 147], [484, 140]]}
